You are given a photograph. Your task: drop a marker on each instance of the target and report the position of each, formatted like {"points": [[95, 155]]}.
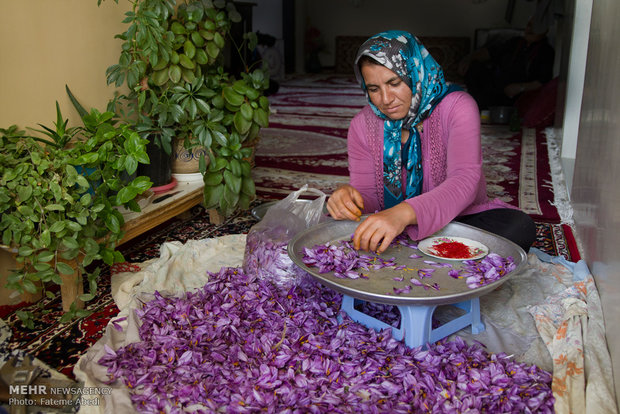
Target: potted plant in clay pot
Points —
{"points": [[60, 196], [173, 63]]}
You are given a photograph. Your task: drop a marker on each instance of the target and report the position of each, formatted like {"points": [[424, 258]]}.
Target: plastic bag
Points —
{"points": [[266, 253]]}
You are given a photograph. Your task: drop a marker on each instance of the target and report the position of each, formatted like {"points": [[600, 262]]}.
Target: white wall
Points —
{"points": [[596, 194], [574, 86]]}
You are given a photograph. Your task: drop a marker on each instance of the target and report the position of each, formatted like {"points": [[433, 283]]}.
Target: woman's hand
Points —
{"points": [[377, 231], [345, 203]]}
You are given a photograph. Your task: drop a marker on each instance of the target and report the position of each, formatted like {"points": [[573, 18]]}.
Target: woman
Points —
{"points": [[414, 153]]}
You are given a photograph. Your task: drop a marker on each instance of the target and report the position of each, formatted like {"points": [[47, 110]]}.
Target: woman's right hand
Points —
{"points": [[345, 203]]}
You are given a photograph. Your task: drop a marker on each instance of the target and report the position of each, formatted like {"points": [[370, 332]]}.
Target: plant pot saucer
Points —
{"points": [[188, 177], [166, 187]]}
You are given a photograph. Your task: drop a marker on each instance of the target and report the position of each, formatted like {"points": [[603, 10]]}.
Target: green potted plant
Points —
{"points": [[172, 62], [60, 199]]}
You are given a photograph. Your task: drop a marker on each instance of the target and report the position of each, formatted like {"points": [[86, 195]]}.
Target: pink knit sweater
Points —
{"points": [[453, 183]]}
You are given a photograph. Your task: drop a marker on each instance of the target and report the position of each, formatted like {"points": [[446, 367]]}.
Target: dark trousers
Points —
{"points": [[514, 225]]}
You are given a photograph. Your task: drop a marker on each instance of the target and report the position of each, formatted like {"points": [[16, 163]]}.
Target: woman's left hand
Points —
{"points": [[378, 230]]}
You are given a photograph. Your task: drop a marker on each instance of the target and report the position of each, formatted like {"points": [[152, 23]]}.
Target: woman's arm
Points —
{"points": [[362, 168], [464, 180]]}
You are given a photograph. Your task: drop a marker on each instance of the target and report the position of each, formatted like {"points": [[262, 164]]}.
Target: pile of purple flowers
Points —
{"points": [[342, 259], [242, 344], [487, 270]]}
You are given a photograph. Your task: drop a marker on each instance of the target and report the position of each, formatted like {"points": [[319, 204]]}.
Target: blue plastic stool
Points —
{"points": [[416, 321]]}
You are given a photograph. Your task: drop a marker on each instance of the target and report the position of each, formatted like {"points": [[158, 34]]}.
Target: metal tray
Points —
{"points": [[379, 287]]}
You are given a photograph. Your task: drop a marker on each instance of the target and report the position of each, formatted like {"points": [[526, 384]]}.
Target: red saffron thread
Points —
{"points": [[452, 250]]}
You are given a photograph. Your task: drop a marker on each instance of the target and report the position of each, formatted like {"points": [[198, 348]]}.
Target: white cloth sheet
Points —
{"points": [[506, 312]]}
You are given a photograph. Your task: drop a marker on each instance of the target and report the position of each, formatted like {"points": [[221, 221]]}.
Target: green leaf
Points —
{"points": [[248, 187], [131, 164], [125, 194], [220, 138], [70, 243], [29, 286], [82, 313], [212, 195], [261, 117], [25, 210], [57, 226], [86, 199], [7, 236], [247, 111], [246, 168], [24, 193], [56, 190], [64, 268], [174, 73], [118, 257], [218, 165], [232, 97], [88, 158], [264, 103], [192, 109], [45, 256], [219, 41], [76, 104], [202, 105], [112, 223], [107, 255], [66, 317], [213, 178], [25, 251], [82, 181], [141, 183], [54, 207], [241, 123], [212, 49], [230, 197], [233, 182], [52, 276], [86, 297], [73, 225], [235, 167], [244, 201]]}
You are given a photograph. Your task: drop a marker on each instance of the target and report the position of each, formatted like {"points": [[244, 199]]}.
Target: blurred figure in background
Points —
{"points": [[496, 74]]}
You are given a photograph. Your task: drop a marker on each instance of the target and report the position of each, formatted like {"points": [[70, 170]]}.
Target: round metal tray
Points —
{"points": [[379, 287]]}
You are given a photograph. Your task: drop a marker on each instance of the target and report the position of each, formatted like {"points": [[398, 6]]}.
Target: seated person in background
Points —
{"points": [[497, 74], [415, 158]]}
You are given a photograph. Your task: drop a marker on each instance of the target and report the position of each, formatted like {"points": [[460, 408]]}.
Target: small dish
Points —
{"points": [[453, 248], [165, 187]]}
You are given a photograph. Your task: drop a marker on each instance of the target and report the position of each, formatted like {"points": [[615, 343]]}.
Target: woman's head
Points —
{"points": [[385, 89], [408, 60]]}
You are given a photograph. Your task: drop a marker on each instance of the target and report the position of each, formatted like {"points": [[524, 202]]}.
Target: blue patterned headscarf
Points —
{"points": [[403, 54]]}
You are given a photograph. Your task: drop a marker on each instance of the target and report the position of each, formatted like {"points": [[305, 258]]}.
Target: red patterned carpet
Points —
{"points": [[305, 143]]}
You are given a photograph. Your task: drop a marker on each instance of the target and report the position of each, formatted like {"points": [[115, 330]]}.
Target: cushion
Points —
{"points": [[537, 108]]}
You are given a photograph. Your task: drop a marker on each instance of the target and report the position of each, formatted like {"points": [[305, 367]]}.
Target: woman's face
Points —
{"points": [[386, 90]]}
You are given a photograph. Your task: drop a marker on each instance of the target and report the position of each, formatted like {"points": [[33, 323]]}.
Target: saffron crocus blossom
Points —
{"points": [[242, 344], [342, 259], [487, 270]]}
